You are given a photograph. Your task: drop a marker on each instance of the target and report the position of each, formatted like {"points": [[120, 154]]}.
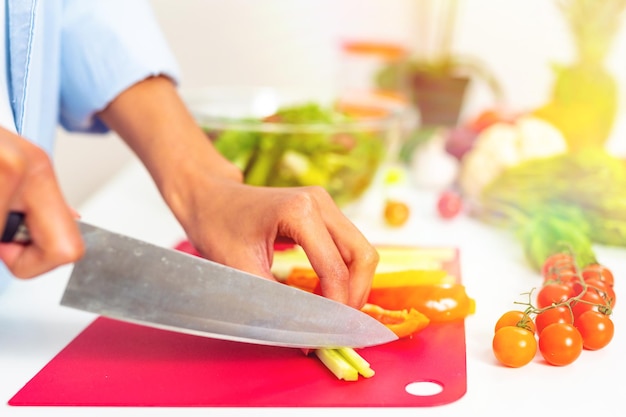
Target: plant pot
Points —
{"points": [[439, 98]]}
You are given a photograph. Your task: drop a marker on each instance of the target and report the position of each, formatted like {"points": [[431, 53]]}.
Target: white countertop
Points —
{"points": [[34, 327]]}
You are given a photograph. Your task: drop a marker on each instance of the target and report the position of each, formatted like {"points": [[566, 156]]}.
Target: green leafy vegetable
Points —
{"points": [[311, 145], [564, 202]]}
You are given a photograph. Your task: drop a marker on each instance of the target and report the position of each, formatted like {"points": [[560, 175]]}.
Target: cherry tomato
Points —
{"points": [[598, 271], [560, 258], [449, 204], [559, 267], [396, 213], [590, 300], [596, 329], [553, 293], [516, 318], [557, 314], [514, 346], [560, 344], [606, 292]]}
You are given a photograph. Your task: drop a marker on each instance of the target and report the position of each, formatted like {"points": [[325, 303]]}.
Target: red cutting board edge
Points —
{"points": [[113, 363]]}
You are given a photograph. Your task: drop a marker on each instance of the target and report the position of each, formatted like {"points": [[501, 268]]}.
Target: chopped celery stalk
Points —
{"points": [[337, 364], [357, 361]]}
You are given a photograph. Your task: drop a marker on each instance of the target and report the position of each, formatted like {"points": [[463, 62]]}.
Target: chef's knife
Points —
{"points": [[127, 279]]}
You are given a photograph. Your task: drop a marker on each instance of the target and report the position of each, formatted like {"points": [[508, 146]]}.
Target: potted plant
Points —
{"points": [[434, 77]]}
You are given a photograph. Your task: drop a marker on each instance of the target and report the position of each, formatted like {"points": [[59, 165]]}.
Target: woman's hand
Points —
{"points": [[227, 221], [29, 185], [237, 225]]}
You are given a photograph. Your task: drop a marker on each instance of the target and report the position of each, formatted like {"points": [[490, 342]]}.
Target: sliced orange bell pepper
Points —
{"points": [[432, 293], [402, 322], [442, 302]]}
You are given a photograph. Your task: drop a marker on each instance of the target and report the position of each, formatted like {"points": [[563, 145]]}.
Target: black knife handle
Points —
{"points": [[15, 230]]}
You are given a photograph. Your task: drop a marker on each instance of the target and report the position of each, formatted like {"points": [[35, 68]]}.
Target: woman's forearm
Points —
{"points": [[155, 123]]}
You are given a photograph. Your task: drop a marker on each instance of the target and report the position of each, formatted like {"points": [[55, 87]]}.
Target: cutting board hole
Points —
{"points": [[424, 388]]}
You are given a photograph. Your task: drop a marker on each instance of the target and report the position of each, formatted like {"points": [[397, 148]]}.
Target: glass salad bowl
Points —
{"points": [[300, 138]]}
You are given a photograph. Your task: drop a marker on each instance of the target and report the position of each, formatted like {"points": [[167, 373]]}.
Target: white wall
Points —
{"points": [[296, 42]]}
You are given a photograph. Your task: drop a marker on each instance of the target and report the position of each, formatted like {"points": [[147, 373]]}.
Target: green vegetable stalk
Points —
{"points": [[561, 229], [345, 363], [266, 157], [565, 202]]}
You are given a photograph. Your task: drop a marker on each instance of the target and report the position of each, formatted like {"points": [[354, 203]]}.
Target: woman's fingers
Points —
{"points": [[34, 191], [342, 257]]}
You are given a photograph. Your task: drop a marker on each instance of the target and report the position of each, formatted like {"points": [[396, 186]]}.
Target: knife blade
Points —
{"points": [[131, 280]]}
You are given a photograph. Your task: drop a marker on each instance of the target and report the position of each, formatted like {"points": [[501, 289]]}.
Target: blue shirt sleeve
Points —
{"points": [[106, 47]]}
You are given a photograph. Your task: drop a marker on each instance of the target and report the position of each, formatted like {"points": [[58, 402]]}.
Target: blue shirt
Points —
{"points": [[67, 59]]}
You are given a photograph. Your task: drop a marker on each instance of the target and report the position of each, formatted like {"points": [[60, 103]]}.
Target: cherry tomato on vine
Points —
{"points": [[557, 314], [514, 346], [606, 291], [515, 318], [559, 267], [590, 300], [449, 204], [560, 344], [600, 272], [596, 328], [558, 259], [553, 293]]}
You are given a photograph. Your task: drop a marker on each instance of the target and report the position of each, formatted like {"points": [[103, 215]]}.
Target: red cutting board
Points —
{"points": [[113, 363]]}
